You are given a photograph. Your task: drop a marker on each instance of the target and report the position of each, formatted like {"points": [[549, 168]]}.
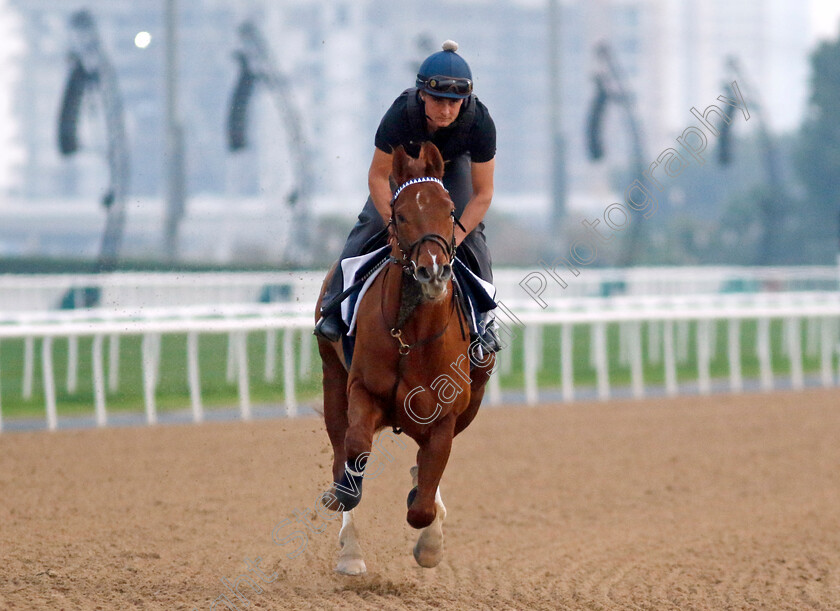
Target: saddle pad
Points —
{"points": [[479, 293]]}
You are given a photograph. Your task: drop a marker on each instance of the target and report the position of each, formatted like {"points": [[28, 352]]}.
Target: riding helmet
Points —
{"points": [[447, 63]]}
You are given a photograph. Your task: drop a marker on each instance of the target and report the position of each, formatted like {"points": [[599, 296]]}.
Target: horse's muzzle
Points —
{"points": [[433, 279], [431, 274]]}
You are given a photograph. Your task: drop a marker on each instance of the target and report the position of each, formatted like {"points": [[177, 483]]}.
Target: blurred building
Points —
{"points": [[346, 60], [11, 48]]}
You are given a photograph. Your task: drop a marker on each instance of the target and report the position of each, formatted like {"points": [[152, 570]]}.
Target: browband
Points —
{"points": [[415, 181]]}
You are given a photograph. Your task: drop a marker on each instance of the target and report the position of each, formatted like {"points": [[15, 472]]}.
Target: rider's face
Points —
{"points": [[440, 112]]}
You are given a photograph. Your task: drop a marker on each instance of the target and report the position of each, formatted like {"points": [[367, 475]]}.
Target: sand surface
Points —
{"points": [[728, 502]]}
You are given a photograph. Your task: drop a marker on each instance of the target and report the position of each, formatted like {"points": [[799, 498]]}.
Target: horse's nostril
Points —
{"points": [[423, 274], [446, 273]]}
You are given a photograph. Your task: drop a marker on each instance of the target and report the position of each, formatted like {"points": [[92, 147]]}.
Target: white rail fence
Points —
{"points": [[23, 293], [28, 292], [667, 322], [150, 325]]}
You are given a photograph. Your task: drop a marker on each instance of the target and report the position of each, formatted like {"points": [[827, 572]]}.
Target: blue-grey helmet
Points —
{"points": [[445, 74]]}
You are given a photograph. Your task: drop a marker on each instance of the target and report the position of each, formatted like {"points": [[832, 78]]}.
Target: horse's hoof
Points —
{"points": [[427, 558], [411, 494], [351, 566]]}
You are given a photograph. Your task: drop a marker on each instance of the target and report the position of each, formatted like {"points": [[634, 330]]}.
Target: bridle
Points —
{"points": [[408, 251]]}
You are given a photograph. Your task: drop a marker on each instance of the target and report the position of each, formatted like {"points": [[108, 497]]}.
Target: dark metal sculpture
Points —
{"points": [[257, 65], [91, 73]]}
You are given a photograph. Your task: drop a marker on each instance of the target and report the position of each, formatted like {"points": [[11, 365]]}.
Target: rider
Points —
{"points": [[443, 109]]}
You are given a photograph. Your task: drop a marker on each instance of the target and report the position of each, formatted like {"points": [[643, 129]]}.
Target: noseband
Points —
{"points": [[408, 251]]}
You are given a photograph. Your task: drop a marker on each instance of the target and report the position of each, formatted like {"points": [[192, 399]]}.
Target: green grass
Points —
{"points": [[172, 390], [216, 390]]}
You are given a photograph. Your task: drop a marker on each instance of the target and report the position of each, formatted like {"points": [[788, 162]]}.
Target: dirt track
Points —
{"points": [[699, 503]]}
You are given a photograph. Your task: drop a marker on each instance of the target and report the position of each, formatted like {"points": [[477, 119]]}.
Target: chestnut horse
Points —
{"points": [[411, 367]]}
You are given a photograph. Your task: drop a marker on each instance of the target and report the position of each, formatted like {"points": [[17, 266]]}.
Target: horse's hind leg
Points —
{"points": [[428, 552], [480, 374], [350, 561]]}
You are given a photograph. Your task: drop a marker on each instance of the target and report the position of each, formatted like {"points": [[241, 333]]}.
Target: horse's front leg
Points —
{"points": [[335, 403], [428, 551], [431, 461], [364, 417]]}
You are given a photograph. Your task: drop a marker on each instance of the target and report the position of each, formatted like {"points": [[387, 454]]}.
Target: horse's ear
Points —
{"points": [[432, 159], [399, 167]]}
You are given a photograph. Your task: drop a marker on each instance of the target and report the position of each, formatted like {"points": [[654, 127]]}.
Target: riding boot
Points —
{"points": [[488, 336], [330, 326]]}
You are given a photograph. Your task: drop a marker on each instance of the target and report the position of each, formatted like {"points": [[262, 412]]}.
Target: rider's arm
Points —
{"points": [[476, 208], [379, 183]]}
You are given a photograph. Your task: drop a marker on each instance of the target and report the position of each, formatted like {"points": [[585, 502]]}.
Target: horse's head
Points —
{"points": [[423, 219]]}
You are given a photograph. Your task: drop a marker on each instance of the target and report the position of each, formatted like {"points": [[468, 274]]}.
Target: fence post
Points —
{"points": [[601, 360], [530, 364], [703, 381], [149, 383], [827, 351], [795, 343], [98, 382], [636, 363], [566, 361], [671, 388], [49, 382], [194, 377], [736, 383], [764, 354], [242, 369], [289, 371]]}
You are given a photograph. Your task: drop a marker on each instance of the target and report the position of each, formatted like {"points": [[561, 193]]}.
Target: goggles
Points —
{"points": [[448, 84]]}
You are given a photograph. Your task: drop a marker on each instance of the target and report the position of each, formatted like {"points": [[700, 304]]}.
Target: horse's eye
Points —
{"points": [[401, 218]]}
